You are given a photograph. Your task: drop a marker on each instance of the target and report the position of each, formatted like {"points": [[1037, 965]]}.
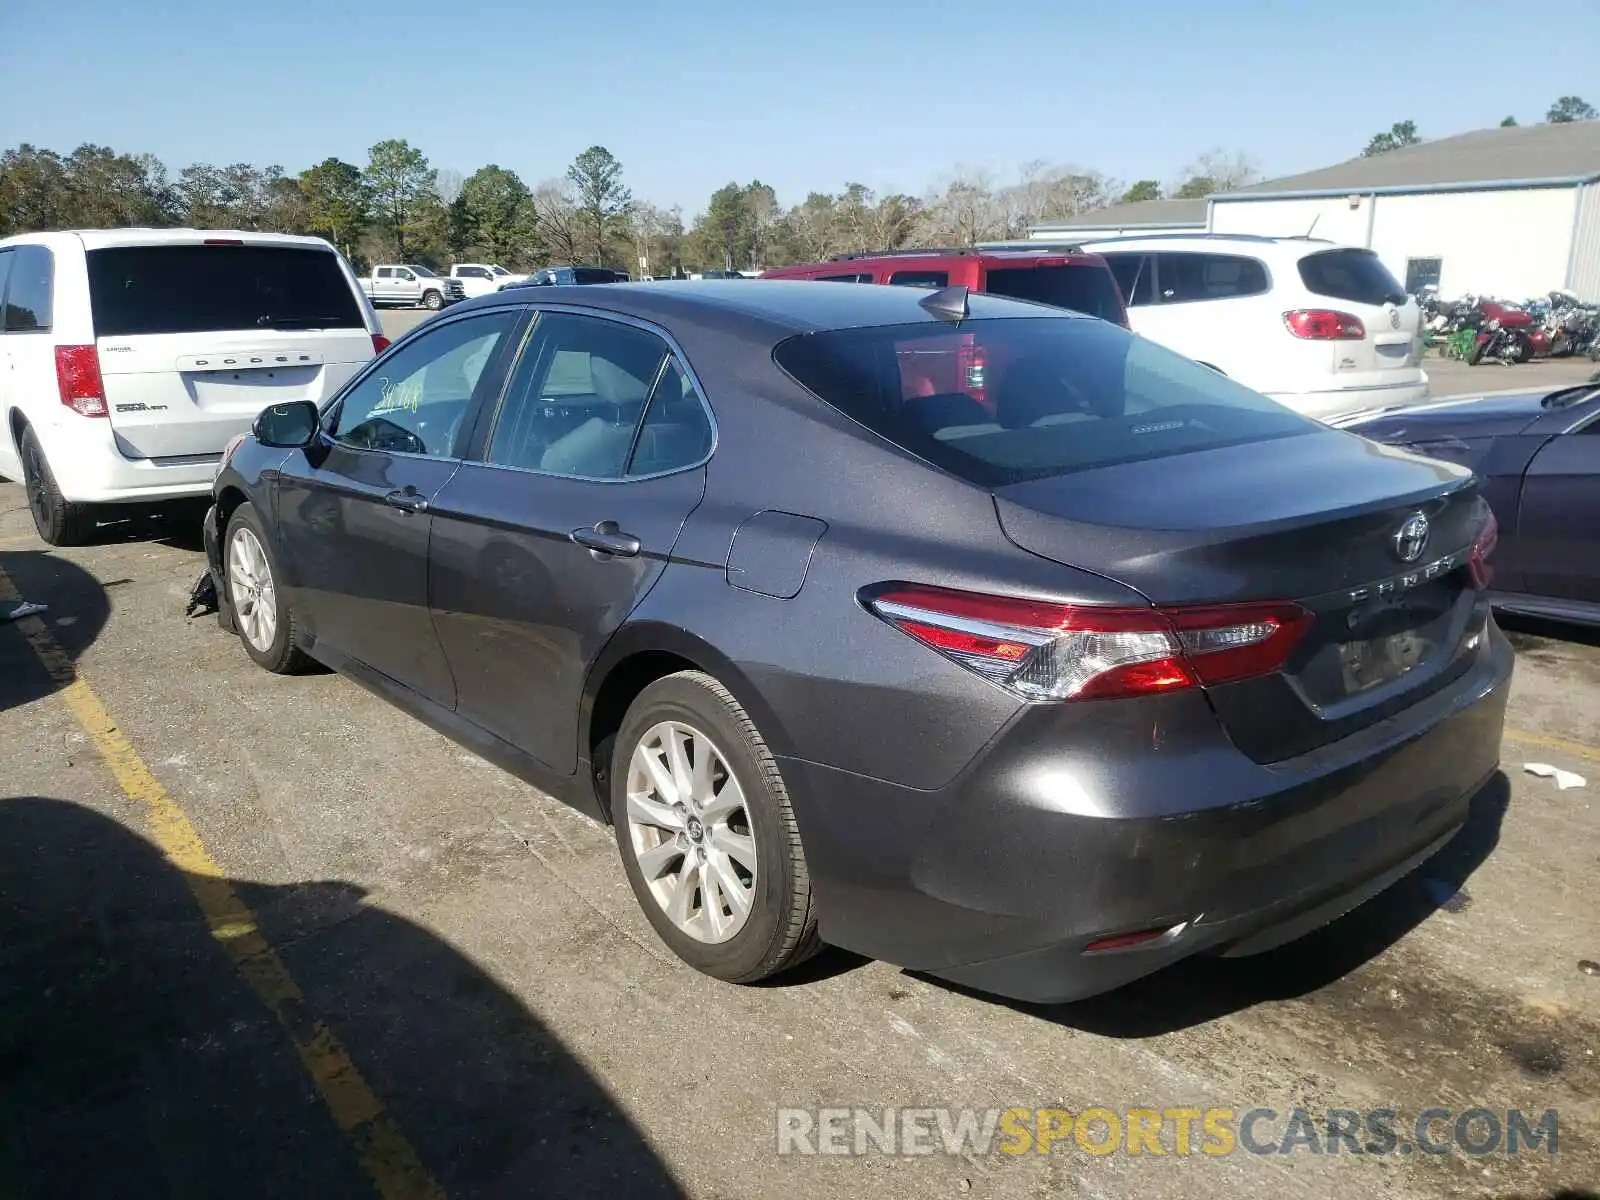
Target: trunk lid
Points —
{"points": [[196, 337], [1315, 519], [1356, 281], [184, 394]]}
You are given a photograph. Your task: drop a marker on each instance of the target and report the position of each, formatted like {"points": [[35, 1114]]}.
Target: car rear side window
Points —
{"points": [[1136, 278], [1057, 395], [844, 278], [1082, 288], [1187, 277], [922, 279], [202, 289], [1358, 276], [576, 397], [30, 289]]}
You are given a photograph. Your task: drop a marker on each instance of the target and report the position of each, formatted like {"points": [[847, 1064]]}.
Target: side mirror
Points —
{"points": [[290, 426]]}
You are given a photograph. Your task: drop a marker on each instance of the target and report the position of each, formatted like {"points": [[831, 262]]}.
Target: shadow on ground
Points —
{"points": [[138, 1063], [1204, 988], [77, 607]]}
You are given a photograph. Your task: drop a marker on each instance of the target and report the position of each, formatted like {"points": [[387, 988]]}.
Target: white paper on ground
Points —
{"points": [[1564, 779]]}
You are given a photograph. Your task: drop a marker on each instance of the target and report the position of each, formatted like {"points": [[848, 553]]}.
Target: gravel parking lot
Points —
{"points": [[267, 936]]}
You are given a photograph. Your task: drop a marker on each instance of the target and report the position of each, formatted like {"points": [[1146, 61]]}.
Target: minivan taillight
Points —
{"points": [[1325, 325], [1478, 564], [78, 380], [380, 343], [1043, 650]]}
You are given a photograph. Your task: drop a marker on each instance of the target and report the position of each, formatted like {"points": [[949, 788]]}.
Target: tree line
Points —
{"points": [[397, 206]]}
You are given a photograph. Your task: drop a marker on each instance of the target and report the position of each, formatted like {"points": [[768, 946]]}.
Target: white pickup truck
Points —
{"points": [[479, 279], [409, 285]]}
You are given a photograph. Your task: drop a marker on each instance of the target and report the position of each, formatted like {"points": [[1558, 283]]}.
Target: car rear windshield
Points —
{"points": [[1083, 289], [1002, 401], [1358, 276], [203, 289], [593, 275]]}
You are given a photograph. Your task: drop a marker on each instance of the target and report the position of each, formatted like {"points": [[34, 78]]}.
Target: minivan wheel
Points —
{"points": [[261, 612], [707, 835], [433, 301], [59, 521]]}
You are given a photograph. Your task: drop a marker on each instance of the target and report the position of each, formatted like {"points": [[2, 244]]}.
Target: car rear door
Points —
{"points": [[1558, 520], [195, 339], [1355, 281], [544, 546], [353, 510]]}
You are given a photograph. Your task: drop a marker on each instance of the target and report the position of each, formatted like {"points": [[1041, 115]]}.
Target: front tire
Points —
{"points": [[59, 521], [432, 301], [707, 835], [261, 612]]}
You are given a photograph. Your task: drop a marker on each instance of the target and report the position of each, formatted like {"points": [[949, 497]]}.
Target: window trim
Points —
{"points": [[482, 438], [335, 403], [1160, 299]]}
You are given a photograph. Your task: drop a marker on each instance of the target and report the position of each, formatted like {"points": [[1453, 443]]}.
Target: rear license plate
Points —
{"points": [[1376, 661]]}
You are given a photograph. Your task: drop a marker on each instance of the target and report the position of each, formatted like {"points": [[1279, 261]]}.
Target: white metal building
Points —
{"points": [[1512, 213]]}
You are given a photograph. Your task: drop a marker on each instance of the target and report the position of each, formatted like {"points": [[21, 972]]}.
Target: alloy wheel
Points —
{"points": [[254, 594], [690, 831]]}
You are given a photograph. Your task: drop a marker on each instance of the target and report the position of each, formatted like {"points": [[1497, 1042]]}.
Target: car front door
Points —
{"points": [[1558, 521], [353, 513], [543, 546]]}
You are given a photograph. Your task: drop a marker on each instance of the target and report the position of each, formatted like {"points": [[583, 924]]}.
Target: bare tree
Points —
{"points": [[1216, 170], [448, 185], [555, 203], [963, 211]]}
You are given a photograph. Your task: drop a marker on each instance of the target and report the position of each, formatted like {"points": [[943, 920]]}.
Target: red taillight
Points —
{"points": [[974, 371], [1478, 564], [1324, 325], [78, 380], [1125, 941], [380, 343], [1047, 651]]}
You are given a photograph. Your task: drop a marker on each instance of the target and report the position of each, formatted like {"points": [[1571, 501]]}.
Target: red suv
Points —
{"points": [[1064, 276], [1060, 275]]}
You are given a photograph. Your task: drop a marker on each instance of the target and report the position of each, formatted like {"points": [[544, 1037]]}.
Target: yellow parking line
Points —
{"points": [[1550, 742], [384, 1153]]}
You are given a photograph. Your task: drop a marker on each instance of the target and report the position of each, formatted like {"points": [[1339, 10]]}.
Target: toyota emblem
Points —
{"points": [[1394, 318], [1411, 539]]}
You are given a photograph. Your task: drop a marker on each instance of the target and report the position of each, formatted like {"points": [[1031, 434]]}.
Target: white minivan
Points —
{"points": [[130, 357], [1322, 328]]}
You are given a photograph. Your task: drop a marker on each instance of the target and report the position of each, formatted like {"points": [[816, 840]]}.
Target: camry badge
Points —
{"points": [[1411, 539]]}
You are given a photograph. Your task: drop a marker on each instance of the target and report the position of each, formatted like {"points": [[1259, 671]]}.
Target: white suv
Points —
{"points": [[130, 357], [1322, 328]]}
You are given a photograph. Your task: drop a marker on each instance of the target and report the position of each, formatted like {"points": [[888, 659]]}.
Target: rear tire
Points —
{"points": [[432, 301], [729, 855], [59, 521], [261, 613]]}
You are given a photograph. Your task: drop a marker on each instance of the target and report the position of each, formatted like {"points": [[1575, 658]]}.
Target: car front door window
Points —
{"points": [[416, 401]]}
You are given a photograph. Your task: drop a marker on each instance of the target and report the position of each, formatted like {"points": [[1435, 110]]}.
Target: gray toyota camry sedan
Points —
{"points": [[977, 636]]}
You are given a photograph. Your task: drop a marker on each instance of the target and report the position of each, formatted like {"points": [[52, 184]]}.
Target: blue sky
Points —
{"points": [[803, 96]]}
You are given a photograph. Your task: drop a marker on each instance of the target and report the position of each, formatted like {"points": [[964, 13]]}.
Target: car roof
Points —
{"points": [[96, 239], [1244, 243], [785, 305], [1015, 255]]}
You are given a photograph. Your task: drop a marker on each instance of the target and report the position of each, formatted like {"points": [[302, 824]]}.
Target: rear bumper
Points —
{"points": [[90, 468], [1334, 402], [1001, 880]]}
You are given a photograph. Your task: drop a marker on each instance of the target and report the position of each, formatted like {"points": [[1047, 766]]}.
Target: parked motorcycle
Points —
{"points": [[1507, 333]]}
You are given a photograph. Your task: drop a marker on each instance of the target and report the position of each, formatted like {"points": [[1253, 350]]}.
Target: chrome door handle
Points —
{"points": [[606, 538], [407, 500]]}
